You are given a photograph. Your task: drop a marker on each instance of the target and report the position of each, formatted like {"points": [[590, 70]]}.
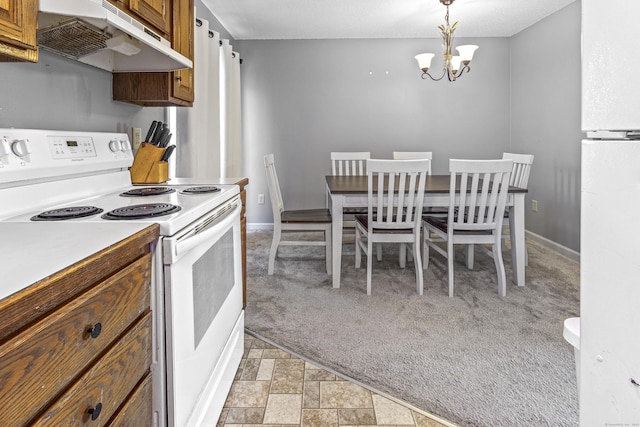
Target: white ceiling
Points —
{"points": [[343, 19]]}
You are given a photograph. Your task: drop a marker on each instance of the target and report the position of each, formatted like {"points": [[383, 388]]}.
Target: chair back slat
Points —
{"points": [[413, 155], [483, 185], [521, 168], [399, 193], [277, 205], [349, 163]]}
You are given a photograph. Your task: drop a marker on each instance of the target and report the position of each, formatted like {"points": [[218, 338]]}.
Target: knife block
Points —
{"points": [[147, 168]]}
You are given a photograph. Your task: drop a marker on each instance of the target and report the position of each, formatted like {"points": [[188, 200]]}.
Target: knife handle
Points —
{"points": [[167, 153], [156, 134], [151, 129]]}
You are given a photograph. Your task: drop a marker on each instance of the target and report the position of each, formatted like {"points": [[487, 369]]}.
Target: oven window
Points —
{"points": [[213, 279]]}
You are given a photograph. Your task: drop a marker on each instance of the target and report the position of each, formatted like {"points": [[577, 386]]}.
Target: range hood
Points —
{"points": [[97, 33]]}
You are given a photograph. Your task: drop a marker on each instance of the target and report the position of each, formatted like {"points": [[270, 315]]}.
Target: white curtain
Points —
{"points": [[231, 112], [198, 127]]}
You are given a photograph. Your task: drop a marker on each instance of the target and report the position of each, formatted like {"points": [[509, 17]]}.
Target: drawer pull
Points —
{"points": [[95, 412], [95, 330]]}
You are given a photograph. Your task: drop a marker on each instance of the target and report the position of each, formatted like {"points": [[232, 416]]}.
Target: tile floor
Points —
{"points": [[274, 388]]}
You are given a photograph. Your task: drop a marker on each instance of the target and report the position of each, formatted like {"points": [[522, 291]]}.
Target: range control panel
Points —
{"points": [[71, 148], [27, 154]]}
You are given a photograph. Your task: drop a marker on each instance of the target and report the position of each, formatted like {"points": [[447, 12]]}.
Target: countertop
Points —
{"points": [[30, 252], [210, 181]]}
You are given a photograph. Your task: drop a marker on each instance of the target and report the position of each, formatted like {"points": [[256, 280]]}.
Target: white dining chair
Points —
{"points": [[393, 216], [476, 213], [287, 221], [415, 155], [519, 178], [521, 168], [349, 163]]}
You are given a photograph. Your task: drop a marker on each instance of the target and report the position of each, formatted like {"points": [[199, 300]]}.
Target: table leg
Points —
{"points": [[516, 228], [337, 202]]}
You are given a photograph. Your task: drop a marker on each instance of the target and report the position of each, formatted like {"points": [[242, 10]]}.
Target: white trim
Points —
{"points": [[574, 255]]}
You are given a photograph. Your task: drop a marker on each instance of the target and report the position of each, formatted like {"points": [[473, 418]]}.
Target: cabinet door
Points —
{"points": [[156, 12], [183, 33], [18, 25]]}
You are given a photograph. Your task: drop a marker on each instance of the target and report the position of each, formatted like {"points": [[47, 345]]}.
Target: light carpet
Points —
{"points": [[475, 359]]}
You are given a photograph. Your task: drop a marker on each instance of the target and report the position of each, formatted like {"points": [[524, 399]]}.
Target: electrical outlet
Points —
{"points": [[261, 199], [534, 205], [137, 138]]}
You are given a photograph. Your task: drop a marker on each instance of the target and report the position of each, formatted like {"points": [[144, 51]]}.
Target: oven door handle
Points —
{"points": [[221, 219]]}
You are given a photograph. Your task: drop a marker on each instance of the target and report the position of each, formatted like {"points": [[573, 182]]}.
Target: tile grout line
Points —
{"points": [[347, 378]]}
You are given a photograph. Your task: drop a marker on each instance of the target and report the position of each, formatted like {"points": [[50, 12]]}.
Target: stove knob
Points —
{"points": [[124, 143], [114, 145], [5, 150], [21, 148]]}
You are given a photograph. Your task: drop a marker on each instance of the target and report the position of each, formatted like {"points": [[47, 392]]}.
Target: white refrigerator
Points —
{"points": [[610, 214]]}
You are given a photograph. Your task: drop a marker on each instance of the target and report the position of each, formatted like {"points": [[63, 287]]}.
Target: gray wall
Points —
{"points": [[61, 94], [545, 121], [303, 99]]}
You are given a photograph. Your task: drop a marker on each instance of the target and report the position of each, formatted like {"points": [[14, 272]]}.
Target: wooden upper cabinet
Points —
{"points": [[163, 89], [18, 27], [183, 12], [156, 12]]}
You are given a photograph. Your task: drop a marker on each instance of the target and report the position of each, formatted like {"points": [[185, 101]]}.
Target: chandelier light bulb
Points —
{"points": [[466, 52], [453, 66], [424, 60], [455, 63]]}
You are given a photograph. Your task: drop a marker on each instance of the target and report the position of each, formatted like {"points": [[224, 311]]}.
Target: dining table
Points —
{"points": [[346, 192]]}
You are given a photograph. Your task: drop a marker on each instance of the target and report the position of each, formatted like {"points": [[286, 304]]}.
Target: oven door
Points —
{"points": [[203, 309]]}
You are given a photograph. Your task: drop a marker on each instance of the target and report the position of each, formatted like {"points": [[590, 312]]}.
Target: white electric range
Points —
{"points": [[55, 177]]}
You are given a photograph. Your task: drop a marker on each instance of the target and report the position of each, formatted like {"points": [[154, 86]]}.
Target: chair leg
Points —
{"points": [[358, 248], [379, 252], [450, 256], [470, 256], [274, 249], [425, 251], [502, 279], [418, 265], [403, 255], [369, 262], [327, 249]]}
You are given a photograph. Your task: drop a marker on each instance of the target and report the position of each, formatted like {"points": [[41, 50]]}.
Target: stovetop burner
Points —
{"points": [[204, 189], [148, 191], [67, 213], [142, 211]]}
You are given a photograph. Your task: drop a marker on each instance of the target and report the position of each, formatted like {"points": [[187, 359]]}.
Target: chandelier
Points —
{"points": [[453, 66]]}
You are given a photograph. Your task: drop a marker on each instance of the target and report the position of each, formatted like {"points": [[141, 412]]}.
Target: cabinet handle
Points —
{"points": [[95, 412], [179, 78], [95, 330]]}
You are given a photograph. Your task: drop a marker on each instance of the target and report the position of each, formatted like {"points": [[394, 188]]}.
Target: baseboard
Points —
{"points": [[570, 253]]}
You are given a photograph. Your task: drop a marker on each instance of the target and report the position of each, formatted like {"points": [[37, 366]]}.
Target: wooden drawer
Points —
{"points": [[41, 361], [106, 384], [138, 409]]}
